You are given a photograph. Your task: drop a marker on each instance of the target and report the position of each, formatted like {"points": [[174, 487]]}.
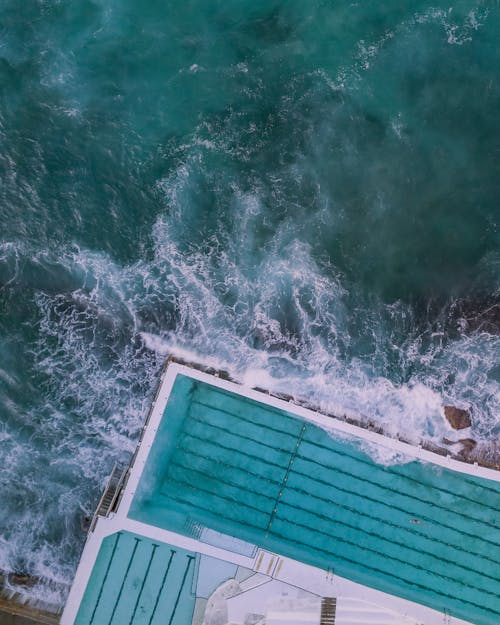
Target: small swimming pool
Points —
{"points": [[137, 581]]}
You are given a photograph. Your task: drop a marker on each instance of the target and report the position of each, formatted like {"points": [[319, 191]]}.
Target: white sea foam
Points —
{"points": [[459, 28], [306, 360]]}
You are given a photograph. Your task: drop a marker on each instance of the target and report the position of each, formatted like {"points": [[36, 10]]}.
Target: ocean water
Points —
{"points": [[303, 193]]}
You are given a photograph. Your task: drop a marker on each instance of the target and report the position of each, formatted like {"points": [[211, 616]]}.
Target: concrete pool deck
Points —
{"points": [[227, 473]]}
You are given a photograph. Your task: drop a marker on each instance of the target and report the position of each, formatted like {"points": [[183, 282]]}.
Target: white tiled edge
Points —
{"points": [[310, 578]]}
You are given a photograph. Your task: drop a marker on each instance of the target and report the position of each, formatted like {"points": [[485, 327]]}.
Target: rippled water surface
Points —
{"points": [[303, 193]]}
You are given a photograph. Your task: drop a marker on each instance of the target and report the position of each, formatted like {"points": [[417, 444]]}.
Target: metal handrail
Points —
{"points": [[110, 494]]}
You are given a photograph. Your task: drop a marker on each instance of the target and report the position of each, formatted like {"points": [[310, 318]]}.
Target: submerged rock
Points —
{"points": [[468, 444], [458, 418]]}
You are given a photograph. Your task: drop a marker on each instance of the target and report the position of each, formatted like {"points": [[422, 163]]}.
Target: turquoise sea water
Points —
{"points": [[304, 193]]}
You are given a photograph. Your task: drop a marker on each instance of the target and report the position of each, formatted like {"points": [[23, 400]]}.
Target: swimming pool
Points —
{"points": [[139, 581], [246, 469]]}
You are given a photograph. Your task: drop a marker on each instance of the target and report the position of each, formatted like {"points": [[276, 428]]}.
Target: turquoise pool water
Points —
{"points": [[136, 581], [243, 468]]}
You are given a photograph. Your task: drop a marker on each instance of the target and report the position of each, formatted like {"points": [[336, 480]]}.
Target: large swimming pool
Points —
{"points": [[243, 468]]}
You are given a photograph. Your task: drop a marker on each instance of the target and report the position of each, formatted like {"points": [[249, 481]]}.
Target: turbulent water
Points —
{"points": [[303, 193]]}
